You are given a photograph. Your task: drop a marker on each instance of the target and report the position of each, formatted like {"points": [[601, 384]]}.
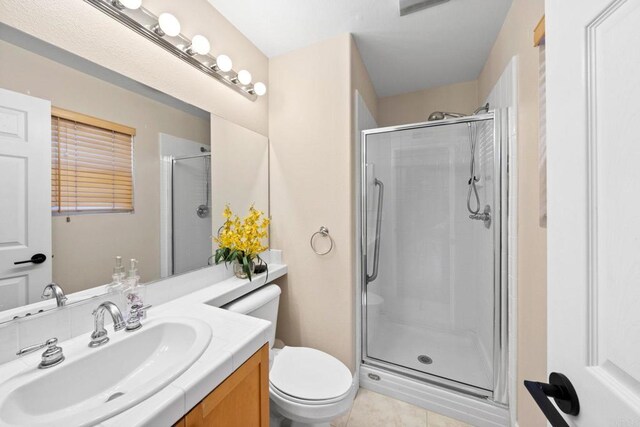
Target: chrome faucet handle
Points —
{"points": [[136, 313], [484, 216], [52, 355]]}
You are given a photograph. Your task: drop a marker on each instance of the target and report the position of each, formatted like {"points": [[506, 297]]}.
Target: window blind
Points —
{"points": [[542, 133], [539, 41], [92, 164]]}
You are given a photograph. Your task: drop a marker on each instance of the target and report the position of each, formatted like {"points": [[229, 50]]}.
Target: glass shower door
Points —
{"points": [[430, 295]]}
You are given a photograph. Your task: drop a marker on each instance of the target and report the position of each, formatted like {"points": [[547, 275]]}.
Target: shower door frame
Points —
{"points": [[499, 394]]}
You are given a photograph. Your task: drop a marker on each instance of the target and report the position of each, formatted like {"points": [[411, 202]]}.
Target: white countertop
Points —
{"points": [[235, 338]]}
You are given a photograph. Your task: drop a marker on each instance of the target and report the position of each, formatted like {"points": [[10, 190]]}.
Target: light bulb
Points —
{"points": [[260, 89], [244, 77], [169, 24], [131, 4], [200, 45], [224, 64]]}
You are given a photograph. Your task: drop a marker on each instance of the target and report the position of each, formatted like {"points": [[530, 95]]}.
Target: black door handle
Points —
{"points": [[36, 259], [563, 393]]}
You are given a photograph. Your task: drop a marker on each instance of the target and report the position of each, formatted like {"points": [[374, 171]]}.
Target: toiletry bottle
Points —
{"points": [[117, 278], [119, 268], [134, 292], [118, 285]]}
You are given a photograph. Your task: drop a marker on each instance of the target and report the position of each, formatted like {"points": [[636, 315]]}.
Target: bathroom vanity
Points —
{"points": [[241, 400]]}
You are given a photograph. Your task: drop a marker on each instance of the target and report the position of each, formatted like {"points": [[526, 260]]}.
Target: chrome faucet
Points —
{"points": [[52, 356], [54, 290], [99, 334]]}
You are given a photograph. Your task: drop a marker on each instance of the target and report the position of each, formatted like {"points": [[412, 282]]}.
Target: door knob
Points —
{"points": [[36, 259], [563, 393]]}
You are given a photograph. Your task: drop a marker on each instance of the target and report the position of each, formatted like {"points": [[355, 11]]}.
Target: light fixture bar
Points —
{"points": [[227, 79]]}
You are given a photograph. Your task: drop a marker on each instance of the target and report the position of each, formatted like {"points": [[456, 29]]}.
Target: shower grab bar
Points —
{"points": [[376, 254]]}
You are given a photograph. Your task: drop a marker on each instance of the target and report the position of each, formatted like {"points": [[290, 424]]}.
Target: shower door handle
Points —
{"points": [[563, 393], [376, 254]]}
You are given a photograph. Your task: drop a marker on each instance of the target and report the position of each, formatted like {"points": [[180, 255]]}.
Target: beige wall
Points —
{"points": [[310, 140], [361, 81], [239, 170], [84, 248], [516, 38], [103, 40], [415, 107]]}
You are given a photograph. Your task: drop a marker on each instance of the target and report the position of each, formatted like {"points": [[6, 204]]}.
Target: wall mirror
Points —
{"points": [[133, 172]]}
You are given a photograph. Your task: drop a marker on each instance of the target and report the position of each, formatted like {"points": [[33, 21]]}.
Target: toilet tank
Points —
{"points": [[261, 303]]}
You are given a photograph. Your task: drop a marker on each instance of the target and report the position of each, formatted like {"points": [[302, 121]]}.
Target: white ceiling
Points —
{"points": [[441, 45]]}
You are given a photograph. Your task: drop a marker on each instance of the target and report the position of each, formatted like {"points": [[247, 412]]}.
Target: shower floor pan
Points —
{"points": [[454, 356]]}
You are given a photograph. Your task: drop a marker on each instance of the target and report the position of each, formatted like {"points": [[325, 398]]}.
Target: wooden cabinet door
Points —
{"points": [[242, 400]]}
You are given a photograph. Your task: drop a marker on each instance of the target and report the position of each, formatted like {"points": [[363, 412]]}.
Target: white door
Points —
{"points": [[593, 134], [25, 198]]}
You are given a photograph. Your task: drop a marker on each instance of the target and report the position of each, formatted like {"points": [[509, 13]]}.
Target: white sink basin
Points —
{"points": [[94, 384]]}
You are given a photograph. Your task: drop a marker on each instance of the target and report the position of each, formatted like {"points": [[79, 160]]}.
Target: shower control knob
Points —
{"points": [[484, 217], [202, 211]]}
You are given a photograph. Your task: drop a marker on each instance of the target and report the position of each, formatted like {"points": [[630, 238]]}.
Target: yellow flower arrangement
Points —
{"points": [[241, 239]]}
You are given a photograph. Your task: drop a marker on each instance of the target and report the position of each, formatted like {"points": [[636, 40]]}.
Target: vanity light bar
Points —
{"points": [[194, 52]]}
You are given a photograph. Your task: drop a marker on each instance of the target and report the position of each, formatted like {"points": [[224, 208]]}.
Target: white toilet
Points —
{"points": [[307, 387]]}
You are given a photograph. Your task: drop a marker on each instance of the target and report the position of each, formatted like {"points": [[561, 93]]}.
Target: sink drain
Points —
{"points": [[114, 396], [425, 359]]}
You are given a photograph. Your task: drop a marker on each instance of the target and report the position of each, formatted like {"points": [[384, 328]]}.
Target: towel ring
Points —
{"points": [[324, 232]]}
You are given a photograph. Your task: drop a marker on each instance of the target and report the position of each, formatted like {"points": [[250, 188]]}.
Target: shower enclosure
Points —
{"points": [[433, 228], [191, 244]]}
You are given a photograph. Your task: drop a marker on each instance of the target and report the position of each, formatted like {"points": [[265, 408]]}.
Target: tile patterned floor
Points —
{"points": [[376, 410]]}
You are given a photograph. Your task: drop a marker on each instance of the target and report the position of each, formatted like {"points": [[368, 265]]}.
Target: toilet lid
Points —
{"points": [[309, 374]]}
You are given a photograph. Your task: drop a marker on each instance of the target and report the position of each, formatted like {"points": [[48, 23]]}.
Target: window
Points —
{"points": [[91, 164]]}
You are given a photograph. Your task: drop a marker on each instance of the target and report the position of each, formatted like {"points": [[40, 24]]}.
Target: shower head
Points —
{"points": [[484, 108], [441, 115], [411, 6]]}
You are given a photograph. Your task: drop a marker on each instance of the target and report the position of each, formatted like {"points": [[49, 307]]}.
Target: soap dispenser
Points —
{"points": [[117, 278], [134, 292]]}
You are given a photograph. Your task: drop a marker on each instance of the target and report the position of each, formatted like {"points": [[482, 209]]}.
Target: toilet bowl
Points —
{"points": [[307, 387]]}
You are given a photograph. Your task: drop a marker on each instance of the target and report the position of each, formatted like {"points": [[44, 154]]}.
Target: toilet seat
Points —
{"points": [[284, 396], [308, 386], [309, 376]]}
